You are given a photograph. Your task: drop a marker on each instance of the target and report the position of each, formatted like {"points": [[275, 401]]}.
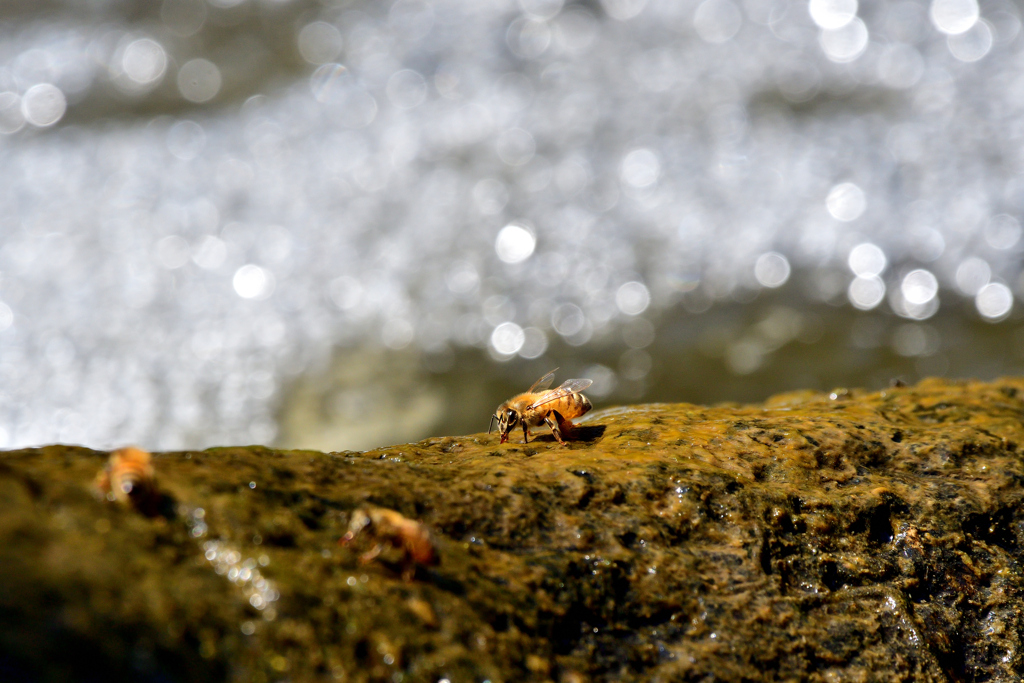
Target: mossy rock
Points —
{"points": [[849, 536]]}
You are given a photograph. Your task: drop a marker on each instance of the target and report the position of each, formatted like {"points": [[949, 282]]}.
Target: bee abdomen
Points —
{"points": [[128, 478], [582, 403]]}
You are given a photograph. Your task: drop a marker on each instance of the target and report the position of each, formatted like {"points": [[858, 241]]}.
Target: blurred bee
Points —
{"points": [[128, 478], [556, 408], [389, 529]]}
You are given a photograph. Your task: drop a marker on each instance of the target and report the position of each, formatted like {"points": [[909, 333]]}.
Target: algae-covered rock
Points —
{"points": [[845, 537]]}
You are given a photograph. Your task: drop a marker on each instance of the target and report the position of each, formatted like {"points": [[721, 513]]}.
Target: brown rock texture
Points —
{"points": [[849, 536]]}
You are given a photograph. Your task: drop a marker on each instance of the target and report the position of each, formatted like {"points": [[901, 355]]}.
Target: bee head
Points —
{"points": [[358, 521], [507, 419]]}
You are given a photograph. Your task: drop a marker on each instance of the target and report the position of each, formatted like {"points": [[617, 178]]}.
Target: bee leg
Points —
{"points": [[552, 420], [371, 553], [526, 438]]}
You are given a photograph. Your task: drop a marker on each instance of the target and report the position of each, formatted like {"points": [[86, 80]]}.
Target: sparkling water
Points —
{"points": [[203, 200]]}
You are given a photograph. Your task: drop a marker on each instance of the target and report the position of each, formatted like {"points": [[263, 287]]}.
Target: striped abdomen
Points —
{"points": [[570, 406], [128, 477]]}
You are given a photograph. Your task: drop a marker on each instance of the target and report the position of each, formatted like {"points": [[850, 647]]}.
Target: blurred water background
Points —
{"points": [[345, 223]]}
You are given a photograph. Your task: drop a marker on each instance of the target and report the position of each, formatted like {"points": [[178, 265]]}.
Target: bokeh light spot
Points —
{"points": [[638, 333], [43, 105], [11, 118], [954, 17], [994, 301], [186, 140], [346, 292], [541, 9], [199, 80], [144, 61], [528, 38], [490, 196], [623, 9], [576, 29], [604, 380], [973, 44], [973, 274], [508, 338], [640, 168], [407, 89], [866, 292], [900, 66], [209, 253], [6, 316], [915, 339], [744, 356], [462, 278], [515, 146], [568, 319], [252, 282], [535, 343], [1002, 232], [183, 17], [635, 364], [846, 202], [867, 259], [320, 42], [397, 333], [919, 287], [632, 298], [832, 14], [772, 269], [845, 44], [333, 85], [515, 243], [412, 19], [717, 21], [172, 252]]}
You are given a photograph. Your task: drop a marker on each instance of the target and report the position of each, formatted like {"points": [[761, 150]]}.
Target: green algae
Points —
{"points": [[818, 537]]}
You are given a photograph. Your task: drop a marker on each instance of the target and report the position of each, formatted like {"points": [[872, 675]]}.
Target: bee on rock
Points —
{"points": [[555, 407], [389, 529], [128, 478]]}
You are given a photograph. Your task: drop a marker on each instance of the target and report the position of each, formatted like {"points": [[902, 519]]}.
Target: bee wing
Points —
{"points": [[543, 383], [569, 386]]}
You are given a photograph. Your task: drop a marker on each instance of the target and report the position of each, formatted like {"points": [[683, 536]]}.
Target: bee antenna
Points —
{"points": [[490, 425]]}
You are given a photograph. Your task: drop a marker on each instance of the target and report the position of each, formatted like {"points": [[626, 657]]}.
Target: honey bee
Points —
{"points": [[556, 408], [389, 529], [128, 478]]}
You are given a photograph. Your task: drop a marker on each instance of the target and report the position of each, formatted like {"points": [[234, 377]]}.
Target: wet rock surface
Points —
{"points": [[846, 537]]}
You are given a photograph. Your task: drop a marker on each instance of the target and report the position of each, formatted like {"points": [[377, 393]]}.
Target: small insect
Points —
{"points": [[128, 478], [556, 408], [389, 529]]}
